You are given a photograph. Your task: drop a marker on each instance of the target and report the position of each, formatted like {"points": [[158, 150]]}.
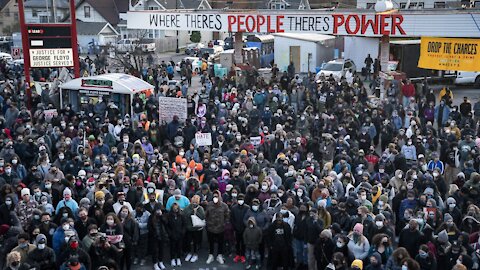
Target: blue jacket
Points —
{"points": [[183, 202], [439, 164], [59, 240], [72, 204], [445, 114], [406, 204]]}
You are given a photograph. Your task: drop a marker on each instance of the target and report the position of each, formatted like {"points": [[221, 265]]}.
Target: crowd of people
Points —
{"points": [[338, 180]]}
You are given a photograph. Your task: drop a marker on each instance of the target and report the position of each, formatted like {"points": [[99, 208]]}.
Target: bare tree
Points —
{"points": [[133, 56]]}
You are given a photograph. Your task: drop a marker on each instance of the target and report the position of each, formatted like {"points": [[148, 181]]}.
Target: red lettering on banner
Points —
{"points": [[240, 23], [357, 24], [338, 20], [260, 22], [231, 20], [397, 24], [369, 23], [269, 25], [250, 27], [279, 24], [384, 31]]}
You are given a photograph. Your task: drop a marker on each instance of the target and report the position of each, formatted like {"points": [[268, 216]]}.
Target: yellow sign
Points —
{"points": [[459, 54]]}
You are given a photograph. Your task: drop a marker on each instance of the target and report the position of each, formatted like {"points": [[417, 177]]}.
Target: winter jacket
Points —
{"points": [[252, 236], [359, 249], [176, 226], [216, 216], [260, 217], [156, 228], [130, 231], [188, 212], [142, 221], [237, 215], [313, 230]]}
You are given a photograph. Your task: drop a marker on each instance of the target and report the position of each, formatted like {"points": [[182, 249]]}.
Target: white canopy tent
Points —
{"points": [[107, 84]]}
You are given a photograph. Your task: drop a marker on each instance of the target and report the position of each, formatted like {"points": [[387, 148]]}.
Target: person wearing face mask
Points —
{"points": [[24, 247], [18, 167], [279, 242], [252, 237], [410, 237], [216, 215], [452, 209], [426, 259], [238, 211], [130, 235], [83, 222], [121, 202], [47, 228], [60, 236], [43, 257], [9, 176], [24, 208], [14, 262], [5, 210], [358, 244], [113, 228], [193, 234], [67, 201], [176, 226], [177, 198]]}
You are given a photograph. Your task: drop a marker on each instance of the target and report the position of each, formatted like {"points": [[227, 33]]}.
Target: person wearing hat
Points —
{"points": [[238, 212], [73, 264], [358, 244], [324, 248], [357, 265], [42, 257], [177, 198], [121, 202], [24, 208], [67, 201]]}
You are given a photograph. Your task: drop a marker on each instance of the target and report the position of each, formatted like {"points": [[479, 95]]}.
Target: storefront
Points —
{"points": [[113, 87]]}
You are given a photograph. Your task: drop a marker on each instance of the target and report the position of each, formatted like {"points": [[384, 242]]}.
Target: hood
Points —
{"points": [[219, 195], [225, 172], [397, 173], [377, 256], [252, 220], [443, 237], [252, 186]]}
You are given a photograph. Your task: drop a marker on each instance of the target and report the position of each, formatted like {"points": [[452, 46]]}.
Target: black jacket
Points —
{"points": [[236, 216], [156, 229], [313, 230], [42, 259], [176, 226]]}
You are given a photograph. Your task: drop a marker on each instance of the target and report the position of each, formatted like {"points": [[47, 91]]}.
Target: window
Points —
{"points": [[34, 13], [43, 19], [413, 5], [153, 8], [86, 11], [7, 12], [277, 6], [370, 5]]}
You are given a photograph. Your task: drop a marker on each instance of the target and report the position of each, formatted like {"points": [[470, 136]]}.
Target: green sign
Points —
{"points": [[97, 83]]}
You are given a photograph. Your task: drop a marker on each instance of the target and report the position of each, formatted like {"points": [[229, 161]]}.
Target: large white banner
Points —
{"points": [[441, 23]]}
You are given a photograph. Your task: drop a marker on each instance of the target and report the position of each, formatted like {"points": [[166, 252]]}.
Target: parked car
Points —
{"points": [[337, 68], [6, 56], [468, 77], [195, 61], [193, 48], [172, 84], [129, 45]]}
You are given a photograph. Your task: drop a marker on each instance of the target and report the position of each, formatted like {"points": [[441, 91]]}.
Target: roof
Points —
{"points": [[406, 42], [121, 83], [63, 4], [122, 5], [107, 8], [3, 3], [92, 28], [182, 4], [305, 37]]}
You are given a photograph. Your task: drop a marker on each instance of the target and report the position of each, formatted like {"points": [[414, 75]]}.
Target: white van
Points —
{"points": [[8, 57], [468, 77]]}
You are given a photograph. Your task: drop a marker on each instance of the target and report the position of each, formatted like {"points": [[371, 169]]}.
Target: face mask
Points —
{"points": [[41, 246], [435, 174], [125, 140], [8, 203], [8, 171], [299, 194], [110, 222], [14, 161], [215, 200], [363, 197], [240, 202], [400, 176], [65, 215], [340, 244], [48, 186], [255, 208], [123, 215], [23, 245], [234, 195], [283, 211], [381, 171], [251, 225], [264, 188]]}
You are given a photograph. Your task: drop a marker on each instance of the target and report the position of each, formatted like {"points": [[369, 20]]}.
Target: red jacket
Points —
{"points": [[408, 90]]}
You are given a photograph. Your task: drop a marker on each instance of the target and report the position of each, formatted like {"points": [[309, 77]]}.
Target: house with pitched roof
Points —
{"points": [[9, 17]]}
